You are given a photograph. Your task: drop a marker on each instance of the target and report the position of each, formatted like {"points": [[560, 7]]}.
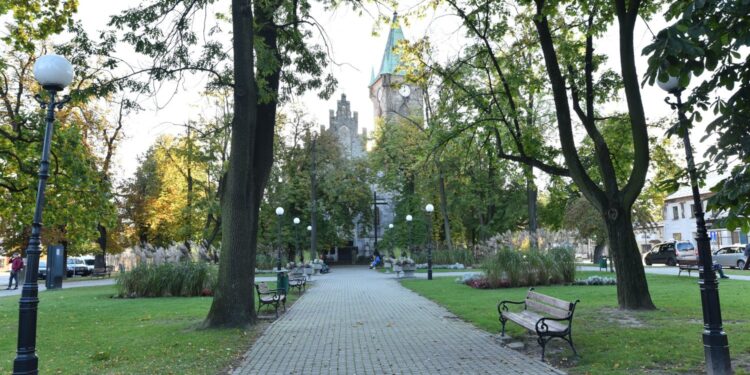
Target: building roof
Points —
{"points": [[687, 191], [391, 59]]}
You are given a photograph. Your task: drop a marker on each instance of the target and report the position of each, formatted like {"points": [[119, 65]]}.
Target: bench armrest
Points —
{"points": [[503, 305], [541, 325]]}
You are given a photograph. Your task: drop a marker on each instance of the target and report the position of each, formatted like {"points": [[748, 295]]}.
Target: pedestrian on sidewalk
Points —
{"points": [[747, 256], [16, 265]]}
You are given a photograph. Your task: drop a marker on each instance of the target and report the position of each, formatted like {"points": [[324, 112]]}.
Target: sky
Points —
{"points": [[356, 49]]}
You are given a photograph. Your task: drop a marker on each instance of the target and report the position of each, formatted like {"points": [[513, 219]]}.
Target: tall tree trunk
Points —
{"points": [[598, 250], [233, 303], [101, 262], [250, 163], [444, 208], [531, 196], [631, 285], [613, 203]]}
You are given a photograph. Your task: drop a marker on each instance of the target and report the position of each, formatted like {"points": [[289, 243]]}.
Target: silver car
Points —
{"points": [[731, 256]]}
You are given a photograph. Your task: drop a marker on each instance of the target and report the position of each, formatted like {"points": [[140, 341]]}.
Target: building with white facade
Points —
{"points": [[679, 220]]}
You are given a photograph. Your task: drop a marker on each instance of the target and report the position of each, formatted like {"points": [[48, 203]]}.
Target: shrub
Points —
{"points": [[445, 256], [185, 279], [511, 268], [596, 280]]}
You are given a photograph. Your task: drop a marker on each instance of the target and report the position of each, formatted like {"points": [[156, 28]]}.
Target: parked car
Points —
{"points": [[731, 256], [686, 253], [90, 261], [670, 253], [76, 266]]}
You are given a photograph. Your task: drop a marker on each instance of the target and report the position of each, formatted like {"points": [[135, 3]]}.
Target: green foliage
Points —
{"points": [[711, 36], [342, 188], [35, 20], [447, 256], [184, 279], [508, 267]]}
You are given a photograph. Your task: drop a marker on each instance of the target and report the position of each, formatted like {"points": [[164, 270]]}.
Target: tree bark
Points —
{"points": [[598, 250], [632, 287], [444, 209], [102, 240], [233, 303], [531, 196]]}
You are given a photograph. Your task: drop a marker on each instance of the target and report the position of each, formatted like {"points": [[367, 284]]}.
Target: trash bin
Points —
{"points": [[282, 282], [603, 263]]}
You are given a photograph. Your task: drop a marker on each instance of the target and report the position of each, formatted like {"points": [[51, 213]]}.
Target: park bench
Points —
{"points": [[102, 271], [687, 265], [549, 317], [267, 296], [298, 282]]}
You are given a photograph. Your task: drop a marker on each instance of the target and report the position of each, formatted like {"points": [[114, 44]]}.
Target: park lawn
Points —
{"points": [[667, 340], [85, 331]]}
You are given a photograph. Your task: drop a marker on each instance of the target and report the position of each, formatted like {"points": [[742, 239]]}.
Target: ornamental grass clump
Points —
{"points": [[512, 268], [184, 279]]}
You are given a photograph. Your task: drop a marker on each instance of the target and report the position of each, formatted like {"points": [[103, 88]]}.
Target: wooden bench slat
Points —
{"points": [[541, 310], [528, 320], [547, 309], [560, 304]]}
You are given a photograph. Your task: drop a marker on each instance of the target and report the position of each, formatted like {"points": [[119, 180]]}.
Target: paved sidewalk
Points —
{"points": [[667, 271], [357, 321]]}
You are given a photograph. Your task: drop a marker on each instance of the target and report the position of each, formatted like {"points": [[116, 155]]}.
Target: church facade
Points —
{"points": [[393, 99]]}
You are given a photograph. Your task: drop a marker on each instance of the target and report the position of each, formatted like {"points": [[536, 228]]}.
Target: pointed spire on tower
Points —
{"points": [[391, 59]]}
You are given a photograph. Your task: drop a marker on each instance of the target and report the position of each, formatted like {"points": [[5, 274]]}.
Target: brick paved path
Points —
{"points": [[357, 321]]}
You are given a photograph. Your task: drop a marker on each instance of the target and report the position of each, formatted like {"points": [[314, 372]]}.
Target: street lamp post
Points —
{"points": [[390, 242], [715, 342], [309, 231], [53, 73], [296, 238], [408, 244], [279, 213], [429, 208]]}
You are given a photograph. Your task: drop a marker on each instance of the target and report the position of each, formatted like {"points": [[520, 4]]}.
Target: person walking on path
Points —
{"points": [[747, 256], [16, 265]]}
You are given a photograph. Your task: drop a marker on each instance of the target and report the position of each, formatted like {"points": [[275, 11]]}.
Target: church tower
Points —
{"points": [[392, 98], [345, 125]]}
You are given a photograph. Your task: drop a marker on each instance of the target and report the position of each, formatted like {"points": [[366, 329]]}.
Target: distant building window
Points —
{"points": [[675, 213], [677, 236], [736, 237], [692, 211]]}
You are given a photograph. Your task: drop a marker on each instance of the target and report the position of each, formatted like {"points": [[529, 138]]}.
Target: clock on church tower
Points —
{"points": [[391, 96]]}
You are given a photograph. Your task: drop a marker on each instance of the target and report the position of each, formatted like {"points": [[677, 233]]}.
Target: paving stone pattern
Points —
{"points": [[357, 321]]}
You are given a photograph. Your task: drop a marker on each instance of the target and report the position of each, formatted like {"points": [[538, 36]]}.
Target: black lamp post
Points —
{"points": [[309, 230], [408, 244], [296, 238], [53, 73], [279, 214], [429, 209], [390, 242], [715, 342]]}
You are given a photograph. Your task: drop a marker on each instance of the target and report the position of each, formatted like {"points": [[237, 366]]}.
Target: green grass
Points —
{"points": [[668, 340], [84, 331]]}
